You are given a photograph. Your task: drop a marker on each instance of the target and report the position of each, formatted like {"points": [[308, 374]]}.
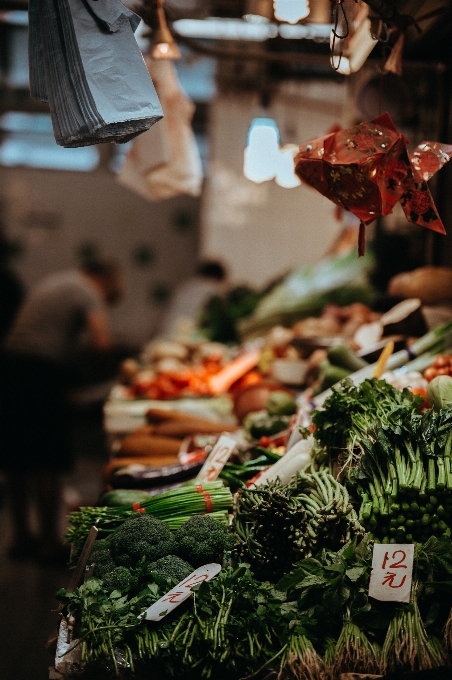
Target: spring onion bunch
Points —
{"points": [[405, 477], [300, 660], [398, 460], [354, 653], [174, 507], [407, 644]]}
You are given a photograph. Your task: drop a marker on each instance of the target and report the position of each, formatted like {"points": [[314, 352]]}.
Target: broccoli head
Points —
{"points": [[102, 559], [203, 539], [120, 579], [101, 544], [141, 536], [170, 567]]}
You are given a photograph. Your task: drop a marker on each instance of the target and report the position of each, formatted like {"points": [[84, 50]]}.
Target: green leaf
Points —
{"points": [[312, 580], [355, 573], [289, 607], [339, 567]]}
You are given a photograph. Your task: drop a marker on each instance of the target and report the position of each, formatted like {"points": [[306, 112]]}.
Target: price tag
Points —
{"points": [[216, 459], [180, 593], [392, 571]]}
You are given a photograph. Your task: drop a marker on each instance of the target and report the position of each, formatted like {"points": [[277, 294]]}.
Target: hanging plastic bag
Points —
{"points": [[165, 162], [84, 60]]}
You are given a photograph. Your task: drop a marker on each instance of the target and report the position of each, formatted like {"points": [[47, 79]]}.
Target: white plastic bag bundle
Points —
{"points": [[84, 60], [165, 162]]}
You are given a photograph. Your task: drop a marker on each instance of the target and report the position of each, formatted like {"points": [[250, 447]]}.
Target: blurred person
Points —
{"points": [[11, 290], [34, 377], [191, 296]]}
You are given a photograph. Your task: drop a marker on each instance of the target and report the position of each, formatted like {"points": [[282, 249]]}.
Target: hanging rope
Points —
{"points": [[361, 239], [338, 4]]}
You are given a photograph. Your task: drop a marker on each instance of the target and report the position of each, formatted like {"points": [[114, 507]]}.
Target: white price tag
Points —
{"points": [[392, 571], [216, 459], [180, 593]]}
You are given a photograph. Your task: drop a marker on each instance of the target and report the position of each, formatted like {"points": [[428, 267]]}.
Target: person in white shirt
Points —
{"points": [[189, 299]]}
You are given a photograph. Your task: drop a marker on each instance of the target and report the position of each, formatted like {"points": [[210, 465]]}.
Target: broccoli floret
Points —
{"points": [[140, 536], [101, 544], [203, 539], [171, 567], [120, 579], [102, 559]]}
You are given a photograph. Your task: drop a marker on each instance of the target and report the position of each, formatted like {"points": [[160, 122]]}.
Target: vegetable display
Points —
{"points": [[292, 597]]}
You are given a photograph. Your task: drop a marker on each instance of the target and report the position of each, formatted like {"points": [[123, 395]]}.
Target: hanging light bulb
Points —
{"points": [[285, 172], [262, 150], [258, 11], [165, 46], [291, 11]]}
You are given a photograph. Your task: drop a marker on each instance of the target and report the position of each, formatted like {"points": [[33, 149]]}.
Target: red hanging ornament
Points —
{"points": [[366, 169]]}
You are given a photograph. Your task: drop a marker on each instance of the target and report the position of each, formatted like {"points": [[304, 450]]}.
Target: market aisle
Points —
{"points": [[26, 589]]}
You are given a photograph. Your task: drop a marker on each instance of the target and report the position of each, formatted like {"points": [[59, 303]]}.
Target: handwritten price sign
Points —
{"points": [[216, 459], [392, 570], [181, 592]]}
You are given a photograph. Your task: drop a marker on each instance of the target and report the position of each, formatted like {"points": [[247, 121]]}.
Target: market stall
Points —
{"points": [[277, 500], [296, 590]]}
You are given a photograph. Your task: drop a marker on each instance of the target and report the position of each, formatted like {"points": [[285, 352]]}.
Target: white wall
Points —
{"points": [[91, 207], [263, 230]]}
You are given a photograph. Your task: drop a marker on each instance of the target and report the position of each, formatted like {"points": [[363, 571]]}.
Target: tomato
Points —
{"points": [[442, 360], [422, 393], [265, 442], [444, 370], [430, 373]]}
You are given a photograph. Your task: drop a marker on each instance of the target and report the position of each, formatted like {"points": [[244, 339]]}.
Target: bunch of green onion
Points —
{"points": [[407, 644], [405, 478]]}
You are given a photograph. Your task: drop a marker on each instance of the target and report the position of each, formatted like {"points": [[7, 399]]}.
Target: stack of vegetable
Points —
{"points": [[317, 621], [172, 507], [155, 448], [297, 601], [281, 524], [397, 459]]}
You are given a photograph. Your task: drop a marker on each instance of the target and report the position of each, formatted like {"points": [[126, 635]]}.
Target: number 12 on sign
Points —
{"points": [[392, 570]]}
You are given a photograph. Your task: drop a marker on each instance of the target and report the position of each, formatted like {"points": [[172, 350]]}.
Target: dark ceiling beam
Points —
{"points": [[6, 5], [386, 10]]}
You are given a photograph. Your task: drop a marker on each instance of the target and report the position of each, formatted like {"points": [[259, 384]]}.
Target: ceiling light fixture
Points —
{"points": [[216, 28], [291, 11], [261, 153], [165, 46], [264, 159]]}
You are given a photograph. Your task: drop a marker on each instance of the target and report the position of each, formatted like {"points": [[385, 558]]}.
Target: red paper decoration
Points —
{"points": [[366, 169]]}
